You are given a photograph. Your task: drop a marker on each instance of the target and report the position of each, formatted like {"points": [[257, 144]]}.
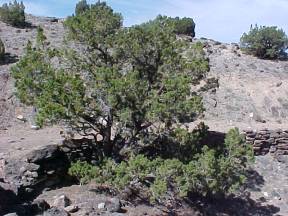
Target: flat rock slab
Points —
{"points": [[18, 141]]}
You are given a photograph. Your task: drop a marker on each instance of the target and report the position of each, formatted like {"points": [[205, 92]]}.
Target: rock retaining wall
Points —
{"points": [[268, 141]]}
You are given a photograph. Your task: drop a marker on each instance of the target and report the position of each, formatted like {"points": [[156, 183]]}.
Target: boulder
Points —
{"points": [[72, 209], [39, 206], [46, 153], [113, 205]]}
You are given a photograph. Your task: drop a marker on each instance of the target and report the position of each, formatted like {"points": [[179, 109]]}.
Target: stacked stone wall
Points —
{"points": [[267, 141]]}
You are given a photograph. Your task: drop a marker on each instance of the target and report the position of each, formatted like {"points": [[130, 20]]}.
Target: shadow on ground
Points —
{"points": [[237, 205], [9, 59], [26, 25], [8, 198], [234, 206], [254, 180]]}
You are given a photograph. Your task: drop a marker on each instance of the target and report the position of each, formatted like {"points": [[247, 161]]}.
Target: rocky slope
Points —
{"points": [[252, 92]]}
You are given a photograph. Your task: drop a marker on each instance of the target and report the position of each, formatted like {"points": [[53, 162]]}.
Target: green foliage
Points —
{"points": [[180, 143], [213, 171], [40, 39], [94, 26], [81, 7], [265, 42], [35, 73], [131, 89], [184, 26], [2, 50], [83, 171], [136, 81], [13, 13]]}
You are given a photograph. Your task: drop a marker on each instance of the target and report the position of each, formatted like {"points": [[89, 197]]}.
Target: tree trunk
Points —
{"points": [[107, 142]]}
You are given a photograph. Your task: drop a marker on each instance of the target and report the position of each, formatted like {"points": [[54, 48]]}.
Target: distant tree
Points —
{"points": [[185, 26], [13, 13], [2, 50], [81, 7], [265, 42]]}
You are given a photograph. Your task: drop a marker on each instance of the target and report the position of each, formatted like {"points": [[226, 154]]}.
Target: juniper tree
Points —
{"points": [[128, 86], [180, 26], [13, 13], [265, 42], [131, 89]]}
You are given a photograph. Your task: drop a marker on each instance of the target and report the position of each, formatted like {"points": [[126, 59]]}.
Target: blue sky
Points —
{"points": [[223, 20]]}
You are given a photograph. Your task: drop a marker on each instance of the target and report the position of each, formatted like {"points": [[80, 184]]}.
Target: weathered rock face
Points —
{"points": [[268, 141], [23, 178]]}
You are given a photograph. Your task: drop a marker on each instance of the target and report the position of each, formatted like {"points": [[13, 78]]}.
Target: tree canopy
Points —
{"points": [[265, 42], [13, 13], [180, 26], [81, 7]]}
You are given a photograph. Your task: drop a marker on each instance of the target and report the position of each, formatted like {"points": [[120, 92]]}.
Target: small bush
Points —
{"points": [[212, 171], [2, 50], [13, 14], [83, 171], [265, 42]]}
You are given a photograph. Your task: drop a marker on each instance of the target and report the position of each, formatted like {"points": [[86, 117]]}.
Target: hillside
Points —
{"points": [[252, 94]]}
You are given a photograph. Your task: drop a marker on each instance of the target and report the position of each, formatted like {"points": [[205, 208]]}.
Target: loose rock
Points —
{"points": [[62, 201], [113, 205], [72, 209], [55, 212]]}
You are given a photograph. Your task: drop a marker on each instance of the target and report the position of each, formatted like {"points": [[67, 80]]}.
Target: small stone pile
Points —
{"points": [[268, 141]]}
